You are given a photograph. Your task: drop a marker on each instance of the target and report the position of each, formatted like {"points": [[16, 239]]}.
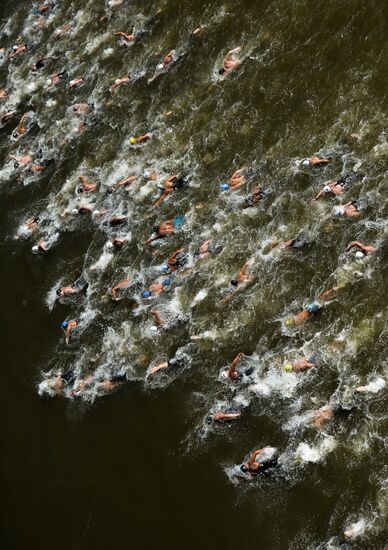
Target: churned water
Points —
{"points": [[100, 450]]}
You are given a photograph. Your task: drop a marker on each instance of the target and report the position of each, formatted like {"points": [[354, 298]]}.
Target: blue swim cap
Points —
{"points": [[224, 186], [146, 294], [163, 267], [178, 220], [64, 324], [166, 281], [313, 307]]}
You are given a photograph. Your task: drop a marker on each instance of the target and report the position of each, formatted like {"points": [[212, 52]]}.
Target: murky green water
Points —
{"points": [[140, 466]]}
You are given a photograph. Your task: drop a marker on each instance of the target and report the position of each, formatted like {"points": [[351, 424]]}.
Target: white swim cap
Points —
{"points": [[35, 249], [74, 211], [359, 254], [95, 212], [327, 189], [160, 66], [146, 174], [109, 244], [154, 328], [306, 162]]}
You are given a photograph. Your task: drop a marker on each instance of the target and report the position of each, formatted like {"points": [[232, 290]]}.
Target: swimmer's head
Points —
{"points": [[74, 211], [234, 282], [146, 174], [244, 468], [289, 322], [35, 249], [154, 328], [95, 212], [306, 163], [166, 281], [132, 140], [224, 186], [109, 244], [327, 189], [287, 367], [359, 254], [64, 325], [79, 190], [221, 71], [160, 66], [146, 294], [58, 292], [155, 229], [163, 267], [313, 307]]}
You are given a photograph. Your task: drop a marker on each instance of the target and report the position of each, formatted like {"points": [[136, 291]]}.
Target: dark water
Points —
{"points": [[137, 468]]}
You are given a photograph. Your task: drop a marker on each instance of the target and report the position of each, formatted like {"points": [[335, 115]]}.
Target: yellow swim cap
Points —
{"points": [[288, 322], [132, 140], [287, 367]]}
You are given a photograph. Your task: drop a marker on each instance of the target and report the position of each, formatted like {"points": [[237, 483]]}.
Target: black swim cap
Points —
{"points": [[58, 291], [221, 71], [155, 229], [234, 282], [244, 468]]}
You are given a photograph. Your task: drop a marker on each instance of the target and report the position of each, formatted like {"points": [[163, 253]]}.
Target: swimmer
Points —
{"points": [[75, 83], [66, 291], [117, 220], [82, 108], [56, 78], [124, 183], [61, 380], [316, 161], [300, 365], [165, 228], [364, 250], [67, 327], [164, 365], [225, 416], [58, 33], [321, 416], [125, 39], [119, 81], [121, 285], [31, 225], [42, 165], [300, 318], [3, 94], [254, 466], [40, 247], [176, 260], [349, 210], [21, 127], [291, 244], [21, 161], [7, 116], [115, 380], [169, 185], [255, 196], [237, 179], [83, 383], [40, 63], [333, 188], [206, 249], [231, 372], [143, 138], [87, 186], [158, 320], [167, 60], [156, 288], [18, 50], [240, 281], [231, 62]]}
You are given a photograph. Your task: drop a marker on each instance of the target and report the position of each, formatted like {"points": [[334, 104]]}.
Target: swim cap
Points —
{"points": [[146, 294], [224, 186], [146, 174], [154, 328], [109, 244], [327, 189], [160, 66], [178, 220], [166, 281], [35, 248], [95, 212], [64, 324], [163, 267], [359, 254], [306, 162], [289, 322], [74, 211], [132, 140], [313, 307], [287, 367]]}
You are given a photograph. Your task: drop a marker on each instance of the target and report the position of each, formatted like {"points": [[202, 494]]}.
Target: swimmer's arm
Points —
{"points": [[235, 361], [159, 322], [319, 195], [231, 52]]}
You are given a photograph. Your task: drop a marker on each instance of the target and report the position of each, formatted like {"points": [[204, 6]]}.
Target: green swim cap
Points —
{"points": [[132, 140], [289, 322], [287, 367]]}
